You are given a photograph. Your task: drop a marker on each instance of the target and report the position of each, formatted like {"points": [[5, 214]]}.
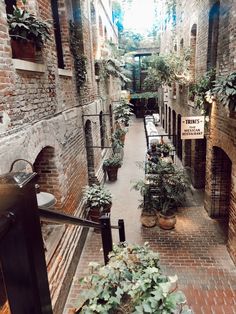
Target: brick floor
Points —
{"points": [[195, 250]]}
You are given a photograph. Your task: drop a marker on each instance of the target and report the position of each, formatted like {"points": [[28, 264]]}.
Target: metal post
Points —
{"points": [[121, 230], [106, 236]]}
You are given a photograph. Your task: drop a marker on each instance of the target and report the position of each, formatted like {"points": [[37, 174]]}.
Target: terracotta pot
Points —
{"points": [[112, 173], [166, 222], [25, 50], [148, 219]]}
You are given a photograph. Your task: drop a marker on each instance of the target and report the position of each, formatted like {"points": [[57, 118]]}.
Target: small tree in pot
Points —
{"points": [[111, 166], [169, 186], [98, 201]]}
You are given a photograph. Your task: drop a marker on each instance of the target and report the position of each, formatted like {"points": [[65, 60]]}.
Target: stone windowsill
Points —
{"points": [[63, 72], [28, 66]]}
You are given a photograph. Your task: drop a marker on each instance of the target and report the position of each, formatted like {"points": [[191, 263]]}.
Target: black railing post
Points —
{"points": [[21, 246], [121, 230], [106, 236]]}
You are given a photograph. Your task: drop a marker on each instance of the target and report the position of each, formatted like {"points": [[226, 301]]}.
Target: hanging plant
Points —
{"points": [[79, 58]]}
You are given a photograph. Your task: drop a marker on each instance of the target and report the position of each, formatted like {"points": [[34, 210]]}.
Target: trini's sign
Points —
{"points": [[192, 127]]}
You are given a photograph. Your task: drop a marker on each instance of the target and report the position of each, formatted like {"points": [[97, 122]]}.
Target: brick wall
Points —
{"points": [[221, 132]]}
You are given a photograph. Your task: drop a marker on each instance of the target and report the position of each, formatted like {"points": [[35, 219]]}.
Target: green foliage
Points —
{"points": [[24, 26], [79, 58], [130, 41], [113, 161], [97, 196], [132, 282], [145, 95], [225, 90], [112, 66]]}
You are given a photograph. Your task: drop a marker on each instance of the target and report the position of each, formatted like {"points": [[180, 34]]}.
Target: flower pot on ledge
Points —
{"points": [[24, 50]]}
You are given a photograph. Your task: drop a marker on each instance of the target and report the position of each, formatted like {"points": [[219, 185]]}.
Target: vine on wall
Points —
{"points": [[79, 58]]}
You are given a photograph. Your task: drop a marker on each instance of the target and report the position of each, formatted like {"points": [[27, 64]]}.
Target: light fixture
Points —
{"points": [[45, 200]]}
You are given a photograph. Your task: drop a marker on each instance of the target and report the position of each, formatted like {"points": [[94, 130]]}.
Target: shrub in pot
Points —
{"points": [[132, 282], [119, 135], [122, 113], [111, 166], [98, 200], [27, 33], [169, 186]]}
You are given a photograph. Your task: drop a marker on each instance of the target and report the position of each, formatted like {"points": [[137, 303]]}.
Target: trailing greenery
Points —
{"points": [[145, 95], [25, 26], [97, 196], [132, 282], [112, 66], [113, 161], [165, 69], [79, 58]]}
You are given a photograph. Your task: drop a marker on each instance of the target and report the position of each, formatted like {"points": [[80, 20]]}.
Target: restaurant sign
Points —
{"points": [[192, 127]]}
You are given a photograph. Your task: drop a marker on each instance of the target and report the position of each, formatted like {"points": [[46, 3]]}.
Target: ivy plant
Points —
{"points": [[132, 282], [79, 58]]}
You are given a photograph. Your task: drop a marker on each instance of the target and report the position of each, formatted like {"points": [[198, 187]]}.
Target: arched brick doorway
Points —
{"points": [[48, 175], [221, 183]]}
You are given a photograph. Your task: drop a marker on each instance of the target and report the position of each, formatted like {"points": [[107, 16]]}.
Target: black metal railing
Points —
{"points": [[22, 257]]}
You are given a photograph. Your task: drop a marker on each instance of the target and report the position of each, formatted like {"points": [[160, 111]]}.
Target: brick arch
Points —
{"points": [[102, 129], [48, 174], [193, 47]]}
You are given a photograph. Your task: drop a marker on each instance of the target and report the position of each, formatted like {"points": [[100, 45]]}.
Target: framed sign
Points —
{"points": [[192, 127]]}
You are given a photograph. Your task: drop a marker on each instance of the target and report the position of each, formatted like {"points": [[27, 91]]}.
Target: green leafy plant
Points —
{"points": [[225, 90], [25, 26], [132, 282], [164, 148], [122, 112], [97, 196], [113, 161]]}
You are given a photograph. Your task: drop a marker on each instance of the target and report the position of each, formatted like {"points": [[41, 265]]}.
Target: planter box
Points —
{"points": [[25, 50]]}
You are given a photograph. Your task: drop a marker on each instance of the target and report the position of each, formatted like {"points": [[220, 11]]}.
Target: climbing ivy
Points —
{"points": [[79, 58]]}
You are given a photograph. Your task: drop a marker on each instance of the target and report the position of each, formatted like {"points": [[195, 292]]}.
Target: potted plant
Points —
{"points": [[169, 186], [98, 201], [27, 33], [148, 204], [131, 282], [111, 166]]}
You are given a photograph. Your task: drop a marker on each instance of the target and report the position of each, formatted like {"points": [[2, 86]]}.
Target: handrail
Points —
{"points": [[55, 216]]}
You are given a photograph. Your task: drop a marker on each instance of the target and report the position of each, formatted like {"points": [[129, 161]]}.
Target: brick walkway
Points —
{"points": [[195, 250]]}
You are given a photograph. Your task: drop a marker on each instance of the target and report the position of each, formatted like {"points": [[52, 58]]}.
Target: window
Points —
{"points": [[9, 6], [57, 33], [213, 36]]}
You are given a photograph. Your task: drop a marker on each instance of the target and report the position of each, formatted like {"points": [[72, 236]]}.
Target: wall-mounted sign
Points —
{"points": [[192, 127]]}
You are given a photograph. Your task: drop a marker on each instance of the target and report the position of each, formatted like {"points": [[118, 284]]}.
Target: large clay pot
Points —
{"points": [[112, 173], [148, 219], [25, 50], [166, 222]]}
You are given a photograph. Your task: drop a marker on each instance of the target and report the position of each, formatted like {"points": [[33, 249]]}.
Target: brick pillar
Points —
{"points": [[198, 162], [187, 153]]}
